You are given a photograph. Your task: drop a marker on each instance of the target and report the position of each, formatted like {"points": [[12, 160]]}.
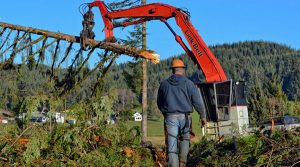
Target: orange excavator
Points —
{"points": [[219, 93]]}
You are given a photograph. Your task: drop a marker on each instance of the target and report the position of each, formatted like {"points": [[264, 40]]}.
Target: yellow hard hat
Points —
{"points": [[177, 63]]}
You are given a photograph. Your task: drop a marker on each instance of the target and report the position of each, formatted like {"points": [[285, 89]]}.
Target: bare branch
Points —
{"points": [[76, 57], [14, 44], [99, 65], [41, 49], [2, 30], [12, 55], [54, 58], [103, 74], [6, 39], [85, 61], [30, 44], [66, 54], [41, 53]]}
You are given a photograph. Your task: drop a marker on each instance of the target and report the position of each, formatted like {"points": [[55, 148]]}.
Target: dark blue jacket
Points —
{"points": [[179, 94]]}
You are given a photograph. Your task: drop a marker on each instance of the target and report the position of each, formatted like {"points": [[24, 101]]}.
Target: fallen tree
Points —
{"points": [[120, 49]]}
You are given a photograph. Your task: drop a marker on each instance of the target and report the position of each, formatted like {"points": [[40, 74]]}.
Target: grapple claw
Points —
{"points": [[87, 31]]}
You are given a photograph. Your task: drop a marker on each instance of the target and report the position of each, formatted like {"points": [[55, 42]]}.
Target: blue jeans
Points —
{"points": [[177, 135]]}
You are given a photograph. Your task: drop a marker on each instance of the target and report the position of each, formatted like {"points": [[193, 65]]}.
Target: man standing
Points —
{"points": [[176, 97]]}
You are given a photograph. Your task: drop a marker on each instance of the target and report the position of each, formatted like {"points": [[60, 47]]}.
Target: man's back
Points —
{"points": [[173, 95], [179, 94]]}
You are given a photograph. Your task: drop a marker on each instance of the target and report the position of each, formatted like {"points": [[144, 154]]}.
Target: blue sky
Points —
{"points": [[218, 21]]}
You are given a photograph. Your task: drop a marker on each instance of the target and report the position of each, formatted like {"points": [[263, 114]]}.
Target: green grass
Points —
{"points": [[156, 128]]}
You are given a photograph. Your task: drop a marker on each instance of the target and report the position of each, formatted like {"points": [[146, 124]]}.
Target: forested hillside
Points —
{"points": [[271, 70], [249, 61]]}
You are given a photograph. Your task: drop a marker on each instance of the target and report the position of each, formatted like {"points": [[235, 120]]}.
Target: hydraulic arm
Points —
{"points": [[199, 52]]}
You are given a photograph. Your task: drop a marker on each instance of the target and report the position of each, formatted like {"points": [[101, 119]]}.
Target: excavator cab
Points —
{"points": [[226, 108], [220, 97]]}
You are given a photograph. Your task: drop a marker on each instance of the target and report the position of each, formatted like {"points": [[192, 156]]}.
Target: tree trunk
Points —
{"points": [[144, 82]]}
